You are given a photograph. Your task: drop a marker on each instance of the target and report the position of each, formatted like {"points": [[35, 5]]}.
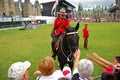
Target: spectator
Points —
{"points": [[117, 71], [108, 73], [19, 71], [117, 66], [47, 68], [59, 29], [85, 36], [82, 69], [26, 24]]}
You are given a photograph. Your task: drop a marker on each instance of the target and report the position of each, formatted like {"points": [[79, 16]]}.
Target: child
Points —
{"points": [[108, 73]]}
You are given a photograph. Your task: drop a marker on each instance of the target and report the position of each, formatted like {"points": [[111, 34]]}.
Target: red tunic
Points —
{"points": [[85, 33], [59, 26], [108, 70]]}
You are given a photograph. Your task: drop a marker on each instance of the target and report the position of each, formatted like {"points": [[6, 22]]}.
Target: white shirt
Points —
{"points": [[56, 74]]}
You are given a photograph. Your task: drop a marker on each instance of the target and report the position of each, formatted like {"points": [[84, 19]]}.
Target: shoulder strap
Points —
{"points": [[38, 78]]}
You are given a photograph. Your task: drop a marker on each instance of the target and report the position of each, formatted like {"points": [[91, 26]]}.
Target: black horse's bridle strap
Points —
{"points": [[72, 33]]}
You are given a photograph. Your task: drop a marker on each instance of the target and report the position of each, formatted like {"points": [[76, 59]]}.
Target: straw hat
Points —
{"points": [[62, 11]]}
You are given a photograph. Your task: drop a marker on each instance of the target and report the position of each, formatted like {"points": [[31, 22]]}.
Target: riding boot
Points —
{"points": [[86, 46], [54, 40], [54, 54]]}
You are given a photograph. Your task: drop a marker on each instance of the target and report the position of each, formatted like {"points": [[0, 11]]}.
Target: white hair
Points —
{"points": [[85, 68]]}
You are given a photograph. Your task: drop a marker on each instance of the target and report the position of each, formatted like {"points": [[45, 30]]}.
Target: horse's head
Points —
{"points": [[68, 45], [72, 38]]}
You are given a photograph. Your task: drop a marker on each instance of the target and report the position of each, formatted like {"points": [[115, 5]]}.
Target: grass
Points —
{"points": [[33, 45]]}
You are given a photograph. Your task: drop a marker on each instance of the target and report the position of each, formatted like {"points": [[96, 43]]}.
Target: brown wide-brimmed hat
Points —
{"points": [[62, 11]]}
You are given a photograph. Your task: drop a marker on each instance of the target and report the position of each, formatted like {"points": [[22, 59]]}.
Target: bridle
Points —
{"points": [[69, 48], [72, 33]]}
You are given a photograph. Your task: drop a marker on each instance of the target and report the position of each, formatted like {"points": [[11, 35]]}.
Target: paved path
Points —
{"points": [[10, 28]]}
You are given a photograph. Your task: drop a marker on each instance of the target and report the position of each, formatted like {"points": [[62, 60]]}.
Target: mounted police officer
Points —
{"points": [[59, 29]]}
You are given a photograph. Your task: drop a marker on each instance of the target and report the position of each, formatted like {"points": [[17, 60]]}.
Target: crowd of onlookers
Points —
{"points": [[82, 69]]}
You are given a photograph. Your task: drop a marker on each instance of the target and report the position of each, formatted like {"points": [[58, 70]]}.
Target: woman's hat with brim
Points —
{"points": [[62, 11], [18, 69]]}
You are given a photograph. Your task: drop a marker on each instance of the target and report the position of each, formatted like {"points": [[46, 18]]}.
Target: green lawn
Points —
{"points": [[20, 45]]}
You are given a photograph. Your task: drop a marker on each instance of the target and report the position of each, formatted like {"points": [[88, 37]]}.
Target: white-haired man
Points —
{"points": [[82, 68]]}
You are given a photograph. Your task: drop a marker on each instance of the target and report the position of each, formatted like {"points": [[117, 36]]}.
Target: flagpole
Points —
{"points": [[54, 11]]}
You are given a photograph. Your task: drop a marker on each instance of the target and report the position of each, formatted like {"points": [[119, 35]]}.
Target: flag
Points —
{"points": [[54, 7]]}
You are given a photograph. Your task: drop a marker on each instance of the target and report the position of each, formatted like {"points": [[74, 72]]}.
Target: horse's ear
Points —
{"points": [[77, 26]]}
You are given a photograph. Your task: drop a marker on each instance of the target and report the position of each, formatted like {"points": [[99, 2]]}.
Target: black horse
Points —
{"points": [[67, 46]]}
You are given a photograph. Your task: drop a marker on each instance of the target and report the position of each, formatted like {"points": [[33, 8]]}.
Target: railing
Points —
{"points": [[10, 19]]}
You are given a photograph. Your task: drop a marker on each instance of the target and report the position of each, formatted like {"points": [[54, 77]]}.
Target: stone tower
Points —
{"points": [[11, 7], [118, 3], [2, 7], [27, 8], [80, 11], [7, 7], [118, 10], [37, 8]]}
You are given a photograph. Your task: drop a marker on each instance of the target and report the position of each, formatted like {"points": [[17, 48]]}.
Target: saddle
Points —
{"points": [[56, 45]]}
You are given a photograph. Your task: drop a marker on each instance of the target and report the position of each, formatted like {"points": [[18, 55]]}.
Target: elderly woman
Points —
{"points": [[47, 69]]}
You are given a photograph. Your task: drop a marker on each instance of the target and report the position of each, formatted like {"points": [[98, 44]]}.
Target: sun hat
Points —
{"points": [[67, 72], [85, 68], [18, 69], [62, 11]]}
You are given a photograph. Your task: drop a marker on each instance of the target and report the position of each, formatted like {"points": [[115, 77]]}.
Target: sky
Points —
{"points": [[86, 4]]}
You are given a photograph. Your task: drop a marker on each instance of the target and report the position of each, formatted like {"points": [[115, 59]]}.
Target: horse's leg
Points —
{"points": [[61, 65], [71, 65]]}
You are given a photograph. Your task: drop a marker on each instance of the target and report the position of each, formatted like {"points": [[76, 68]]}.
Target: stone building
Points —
{"points": [[18, 7], [80, 9], [115, 11], [37, 8], [25, 9], [97, 13], [7, 7]]}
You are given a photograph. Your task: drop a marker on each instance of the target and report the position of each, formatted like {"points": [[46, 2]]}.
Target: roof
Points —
{"points": [[98, 8], [65, 3]]}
